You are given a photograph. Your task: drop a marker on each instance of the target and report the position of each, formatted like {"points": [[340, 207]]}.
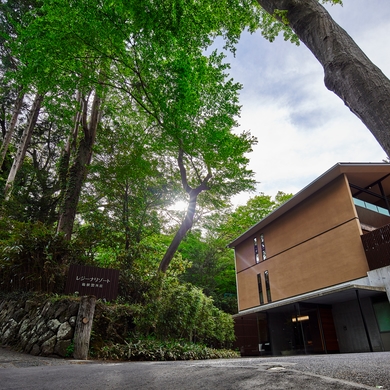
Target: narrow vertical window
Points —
{"points": [[262, 244], [256, 248], [267, 286], [260, 286]]}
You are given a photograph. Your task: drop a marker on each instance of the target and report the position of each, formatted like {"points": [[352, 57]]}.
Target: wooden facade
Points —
{"points": [[313, 242]]}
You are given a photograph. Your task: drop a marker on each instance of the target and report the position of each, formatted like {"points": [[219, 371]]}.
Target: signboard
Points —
{"points": [[85, 280]]}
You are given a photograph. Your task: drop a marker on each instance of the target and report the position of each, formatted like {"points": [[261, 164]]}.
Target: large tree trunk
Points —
{"points": [[11, 128], [71, 145], [78, 170], [188, 221], [23, 145], [348, 72]]}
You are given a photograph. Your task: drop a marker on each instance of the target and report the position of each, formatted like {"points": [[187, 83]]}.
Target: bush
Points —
{"points": [[182, 311], [34, 258], [152, 349]]}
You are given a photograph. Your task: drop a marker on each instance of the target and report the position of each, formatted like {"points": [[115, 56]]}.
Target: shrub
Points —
{"points": [[182, 311], [34, 258], [152, 349]]}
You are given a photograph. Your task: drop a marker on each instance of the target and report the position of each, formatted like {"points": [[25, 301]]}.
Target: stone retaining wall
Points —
{"points": [[39, 327]]}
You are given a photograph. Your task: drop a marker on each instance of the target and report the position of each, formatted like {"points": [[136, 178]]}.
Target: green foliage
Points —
{"points": [[33, 257], [152, 349], [245, 216], [212, 269], [182, 311], [273, 25], [212, 263], [139, 278], [70, 350]]}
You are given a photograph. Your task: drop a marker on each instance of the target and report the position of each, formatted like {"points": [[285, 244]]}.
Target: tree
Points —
{"points": [[24, 143], [127, 185], [142, 50], [348, 72], [212, 262], [243, 217], [89, 121]]}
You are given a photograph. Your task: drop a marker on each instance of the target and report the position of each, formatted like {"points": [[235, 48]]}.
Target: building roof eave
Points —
{"points": [[300, 196], [329, 295]]}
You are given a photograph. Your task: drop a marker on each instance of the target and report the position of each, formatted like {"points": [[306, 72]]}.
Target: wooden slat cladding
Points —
{"points": [[377, 247], [100, 282]]}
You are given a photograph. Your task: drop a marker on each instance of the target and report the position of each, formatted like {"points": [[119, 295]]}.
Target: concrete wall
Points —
{"points": [[350, 327], [316, 244], [380, 277]]}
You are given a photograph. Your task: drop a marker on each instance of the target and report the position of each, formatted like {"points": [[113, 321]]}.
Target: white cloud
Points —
{"points": [[303, 129]]}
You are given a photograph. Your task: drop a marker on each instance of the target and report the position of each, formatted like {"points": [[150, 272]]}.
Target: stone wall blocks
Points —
{"points": [[34, 319], [65, 332], [24, 340], [19, 314], [31, 343], [45, 309], [24, 326], [61, 348], [60, 313], [72, 321], [46, 336], [30, 306], [7, 311], [10, 330], [35, 350], [41, 327], [53, 324], [73, 309], [47, 348]]}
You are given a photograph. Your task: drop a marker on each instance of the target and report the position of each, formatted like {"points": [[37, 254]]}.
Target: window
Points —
{"points": [[261, 296], [262, 243], [267, 286], [382, 313], [255, 246]]}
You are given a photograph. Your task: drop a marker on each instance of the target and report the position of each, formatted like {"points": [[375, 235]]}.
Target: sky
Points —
{"points": [[303, 129]]}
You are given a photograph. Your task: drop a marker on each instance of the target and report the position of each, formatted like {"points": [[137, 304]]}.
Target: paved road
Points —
{"points": [[345, 371]]}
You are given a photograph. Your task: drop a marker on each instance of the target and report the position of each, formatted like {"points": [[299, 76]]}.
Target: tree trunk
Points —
{"points": [[188, 221], [23, 145], [11, 128], [185, 226], [78, 170], [71, 145], [82, 333], [348, 72]]}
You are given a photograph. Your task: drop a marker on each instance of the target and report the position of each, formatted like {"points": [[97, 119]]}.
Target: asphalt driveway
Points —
{"points": [[342, 371]]}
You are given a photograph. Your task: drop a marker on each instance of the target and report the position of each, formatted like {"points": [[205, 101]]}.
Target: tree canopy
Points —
{"points": [[114, 110]]}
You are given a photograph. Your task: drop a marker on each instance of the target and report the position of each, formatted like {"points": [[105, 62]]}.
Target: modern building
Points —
{"points": [[314, 275]]}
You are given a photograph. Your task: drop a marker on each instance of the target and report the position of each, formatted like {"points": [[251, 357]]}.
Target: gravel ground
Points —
{"points": [[371, 369]]}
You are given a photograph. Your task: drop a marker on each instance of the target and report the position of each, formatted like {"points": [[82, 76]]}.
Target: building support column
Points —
{"points": [[364, 321]]}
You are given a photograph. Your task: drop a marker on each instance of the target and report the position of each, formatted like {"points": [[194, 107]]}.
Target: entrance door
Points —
{"points": [[307, 323], [331, 343], [317, 329]]}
